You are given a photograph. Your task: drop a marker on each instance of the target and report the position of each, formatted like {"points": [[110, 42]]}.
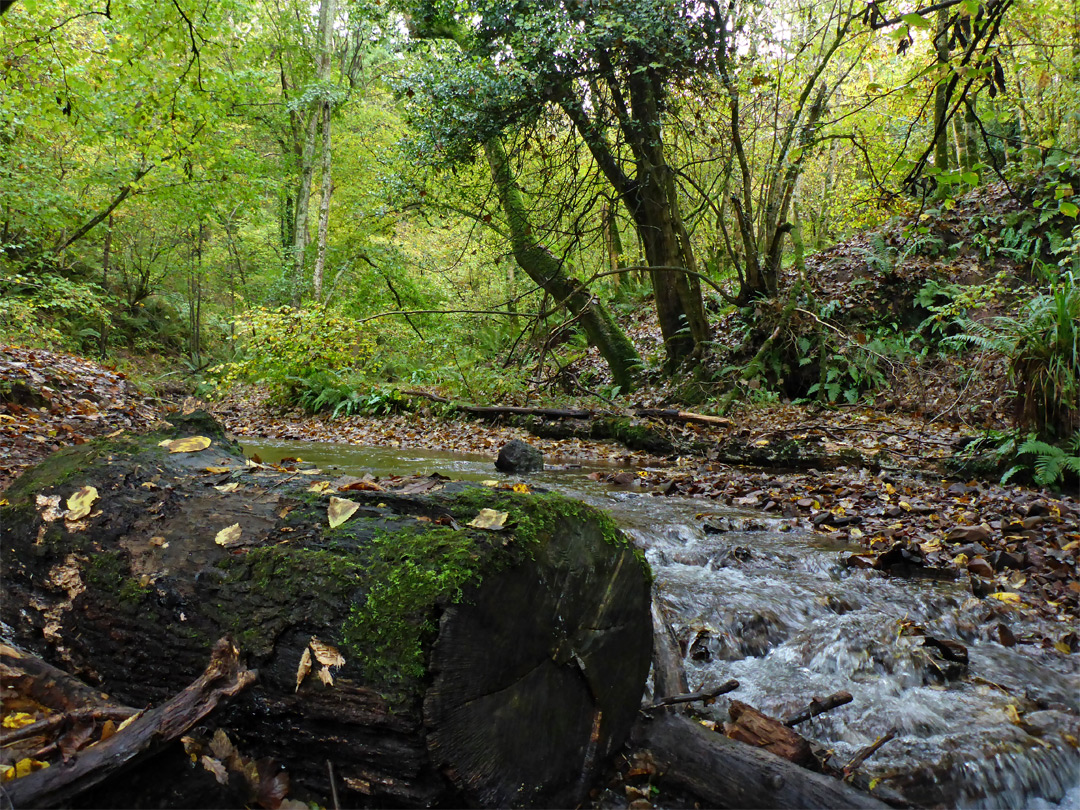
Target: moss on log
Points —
{"points": [[492, 667]]}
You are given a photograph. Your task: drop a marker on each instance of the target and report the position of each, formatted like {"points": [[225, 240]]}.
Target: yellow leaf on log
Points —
{"points": [[189, 444], [80, 504], [340, 510]]}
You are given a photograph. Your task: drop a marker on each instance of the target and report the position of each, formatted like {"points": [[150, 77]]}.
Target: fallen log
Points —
{"points": [[56, 786], [723, 772], [755, 728], [417, 645]]}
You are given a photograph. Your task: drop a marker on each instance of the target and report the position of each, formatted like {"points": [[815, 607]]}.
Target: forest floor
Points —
{"points": [[1017, 544]]}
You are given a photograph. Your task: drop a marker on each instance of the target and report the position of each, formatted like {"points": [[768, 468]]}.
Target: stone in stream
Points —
{"points": [[480, 667], [518, 457]]}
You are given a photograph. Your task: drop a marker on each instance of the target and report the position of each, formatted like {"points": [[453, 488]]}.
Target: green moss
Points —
{"points": [[109, 572], [411, 572]]}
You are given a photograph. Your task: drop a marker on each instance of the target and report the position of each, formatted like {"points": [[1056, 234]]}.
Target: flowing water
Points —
{"points": [[779, 612]]}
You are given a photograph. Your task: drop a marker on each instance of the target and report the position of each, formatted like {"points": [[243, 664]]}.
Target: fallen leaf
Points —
{"points": [[18, 720], [189, 444], [522, 489], [1006, 597], [229, 536], [216, 470], [489, 519], [325, 676], [325, 653], [319, 487], [340, 510], [80, 503], [24, 767], [216, 768], [229, 487], [304, 668]]}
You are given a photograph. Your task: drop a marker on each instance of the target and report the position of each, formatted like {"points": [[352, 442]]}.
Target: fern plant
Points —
{"points": [[1051, 464], [1043, 346]]}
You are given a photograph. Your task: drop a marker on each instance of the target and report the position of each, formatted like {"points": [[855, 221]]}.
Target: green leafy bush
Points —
{"points": [[1050, 464], [307, 357]]}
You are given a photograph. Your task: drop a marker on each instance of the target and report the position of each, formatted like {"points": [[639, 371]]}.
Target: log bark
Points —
{"points": [[492, 666], [726, 773]]}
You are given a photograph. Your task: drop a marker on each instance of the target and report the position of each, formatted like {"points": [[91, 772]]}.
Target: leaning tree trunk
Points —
{"points": [[493, 666]]}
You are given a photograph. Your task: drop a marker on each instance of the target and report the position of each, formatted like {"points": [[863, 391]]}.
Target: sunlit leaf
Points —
{"points": [[489, 519], [188, 444], [229, 487], [24, 767], [304, 668], [18, 720], [340, 510], [326, 654], [229, 536], [81, 503]]}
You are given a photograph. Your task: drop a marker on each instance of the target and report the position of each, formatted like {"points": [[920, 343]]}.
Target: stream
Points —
{"points": [[778, 611]]}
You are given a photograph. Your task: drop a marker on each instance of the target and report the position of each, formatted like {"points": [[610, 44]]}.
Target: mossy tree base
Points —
{"points": [[495, 668]]}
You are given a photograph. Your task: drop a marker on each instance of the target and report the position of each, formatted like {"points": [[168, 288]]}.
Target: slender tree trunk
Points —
{"points": [[941, 101], [106, 253], [549, 274], [324, 204], [821, 228], [613, 239], [307, 156]]}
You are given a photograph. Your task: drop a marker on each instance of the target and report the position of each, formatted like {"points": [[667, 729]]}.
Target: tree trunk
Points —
{"points": [[494, 667], [941, 98], [324, 205], [548, 273]]}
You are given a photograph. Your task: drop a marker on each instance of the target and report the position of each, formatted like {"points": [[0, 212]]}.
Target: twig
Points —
{"points": [[333, 786], [693, 697], [867, 752], [817, 707]]}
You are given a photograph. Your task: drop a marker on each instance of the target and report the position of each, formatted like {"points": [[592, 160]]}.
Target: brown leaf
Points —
{"points": [[325, 653], [304, 668]]}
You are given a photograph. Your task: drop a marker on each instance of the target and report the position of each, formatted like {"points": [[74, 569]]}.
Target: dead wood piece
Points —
{"points": [[669, 676], [223, 678], [751, 726], [817, 707], [672, 415], [867, 752], [723, 772], [42, 682], [708, 696]]}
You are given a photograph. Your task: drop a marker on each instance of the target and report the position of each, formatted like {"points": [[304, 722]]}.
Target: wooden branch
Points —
{"points": [[726, 773], [51, 687], [707, 696], [817, 707], [867, 752], [57, 786], [665, 414], [669, 676]]}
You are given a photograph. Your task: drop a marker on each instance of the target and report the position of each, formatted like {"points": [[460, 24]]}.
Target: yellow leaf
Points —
{"points": [[1062, 647], [130, 720], [905, 506], [1006, 597], [229, 536], [761, 442], [522, 489], [216, 470], [1071, 545], [24, 767], [855, 533], [340, 510], [489, 519], [18, 720], [489, 483], [189, 444], [326, 654], [1012, 714], [80, 504], [319, 487], [304, 668], [229, 487], [890, 489]]}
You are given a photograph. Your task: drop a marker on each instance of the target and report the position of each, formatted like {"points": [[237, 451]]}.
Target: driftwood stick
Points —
{"points": [[669, 676], [55, 786], [817, 707], [867, 752], [692, 697]]}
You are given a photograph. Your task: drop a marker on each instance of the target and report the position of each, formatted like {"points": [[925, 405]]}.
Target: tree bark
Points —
{"points": [[550, 275], [324, 205], [459, 643]]}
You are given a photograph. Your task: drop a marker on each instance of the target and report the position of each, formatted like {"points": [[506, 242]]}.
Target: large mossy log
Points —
{"points": [[491, 667]]}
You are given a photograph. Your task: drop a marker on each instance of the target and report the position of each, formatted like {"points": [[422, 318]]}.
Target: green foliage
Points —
{"points": [[300, 355], [53, 310], [1051, 464], [1043, 347]]}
